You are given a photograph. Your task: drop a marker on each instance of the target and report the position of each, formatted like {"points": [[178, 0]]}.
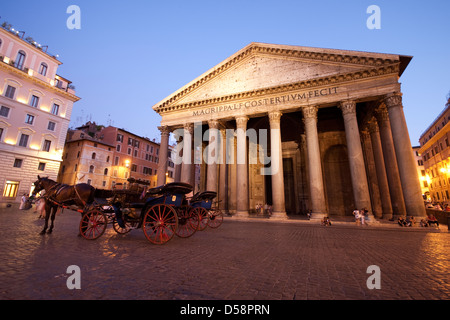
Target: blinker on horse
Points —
{"points": [[58, 195]]}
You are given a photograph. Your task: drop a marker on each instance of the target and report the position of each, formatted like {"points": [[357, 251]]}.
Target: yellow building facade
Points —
{"points": [[435, 152]]}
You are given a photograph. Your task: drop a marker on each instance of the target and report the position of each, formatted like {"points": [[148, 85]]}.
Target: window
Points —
{"points": [[119, 137], [116, 161], [10, 190], [55, 109], [18, 163], [20, 60], [93, 155], [10, 91], [51, 126], [105, 172], [134, 168], [29, 119], [41, 166], [43, 69], [4, 111], [34, 101], [46, 146], [23, 142], [1, 133], [91, 169], [118, 148]]}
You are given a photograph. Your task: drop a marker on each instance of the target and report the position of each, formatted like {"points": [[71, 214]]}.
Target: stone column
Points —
{"points": [[163, 153], [406, 163], [276, 156], [317, 192], [186, 170], [223, 174], [213, 156], [355, 156], [380, 168], [372, 179], [242, 204], [390, 161]]}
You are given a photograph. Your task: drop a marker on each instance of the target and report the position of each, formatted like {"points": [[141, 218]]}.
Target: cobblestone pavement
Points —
{"points": [[241, 260]]}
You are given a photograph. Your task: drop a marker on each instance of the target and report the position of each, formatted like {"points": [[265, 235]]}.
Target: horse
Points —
{"points": [[57, 195]]}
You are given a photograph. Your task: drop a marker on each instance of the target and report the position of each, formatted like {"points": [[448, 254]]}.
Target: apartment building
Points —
{"points": [[435, 152], [107, 157], [35, 108]]}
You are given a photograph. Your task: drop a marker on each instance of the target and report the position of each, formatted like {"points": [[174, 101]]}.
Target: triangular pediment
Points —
{"points": [[261, 66]]}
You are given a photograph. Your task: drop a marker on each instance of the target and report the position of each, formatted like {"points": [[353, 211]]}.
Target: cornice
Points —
{"points": [[302, 85], [312, 54], [39, 82]]}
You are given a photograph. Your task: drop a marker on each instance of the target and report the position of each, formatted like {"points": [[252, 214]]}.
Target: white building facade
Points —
{"points": [[35, 109]]}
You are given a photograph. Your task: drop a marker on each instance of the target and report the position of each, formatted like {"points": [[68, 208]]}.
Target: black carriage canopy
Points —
{"points": [[205, 195], [171, 188]]}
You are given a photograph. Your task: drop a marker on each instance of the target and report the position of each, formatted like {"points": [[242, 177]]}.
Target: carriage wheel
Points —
{"points": [[93, 224], [160, 223], [203, 217], [188, 221], [215, 218]]}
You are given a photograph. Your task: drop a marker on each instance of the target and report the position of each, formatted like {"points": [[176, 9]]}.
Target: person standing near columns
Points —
{"points": [[276, 156], [406, 163], [317, 192], [212, 152], [186, 169], [241, 167], [163, 155], [355, 156]]}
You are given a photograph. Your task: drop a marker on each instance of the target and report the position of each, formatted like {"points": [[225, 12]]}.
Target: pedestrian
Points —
{"points": [[40, 207], [326, 221], [432, 220], [23, 202], [357, 215]]}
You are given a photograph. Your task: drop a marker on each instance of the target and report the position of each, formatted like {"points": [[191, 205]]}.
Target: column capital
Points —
{"points": [[213, 124], [310, 112], [365, 134], [373, 125], [189, 127], [241, 122], [393, 100], [165, 130], [381, 115], [348, 107], [275, 116]]}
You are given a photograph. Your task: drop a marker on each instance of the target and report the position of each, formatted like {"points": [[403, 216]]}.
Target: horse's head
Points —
{"points": [[38, 185]]}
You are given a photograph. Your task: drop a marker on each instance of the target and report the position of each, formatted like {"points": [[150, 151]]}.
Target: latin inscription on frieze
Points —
{"points": [[267, 101]]}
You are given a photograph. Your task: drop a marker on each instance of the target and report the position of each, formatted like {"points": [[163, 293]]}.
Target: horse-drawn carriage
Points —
{"points": [[161, 212]]}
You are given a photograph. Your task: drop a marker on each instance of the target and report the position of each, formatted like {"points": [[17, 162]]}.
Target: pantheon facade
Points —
{"points": [[334, 125]]}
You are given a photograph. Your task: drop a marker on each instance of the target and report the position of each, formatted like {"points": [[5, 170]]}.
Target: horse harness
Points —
{"points": [[51, 196]]}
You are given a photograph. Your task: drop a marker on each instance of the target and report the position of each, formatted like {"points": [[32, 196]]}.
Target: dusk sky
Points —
{"points": [[129, 55]]}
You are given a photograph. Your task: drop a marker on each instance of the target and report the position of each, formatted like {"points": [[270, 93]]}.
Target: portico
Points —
{"points": [[284, 125]]}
